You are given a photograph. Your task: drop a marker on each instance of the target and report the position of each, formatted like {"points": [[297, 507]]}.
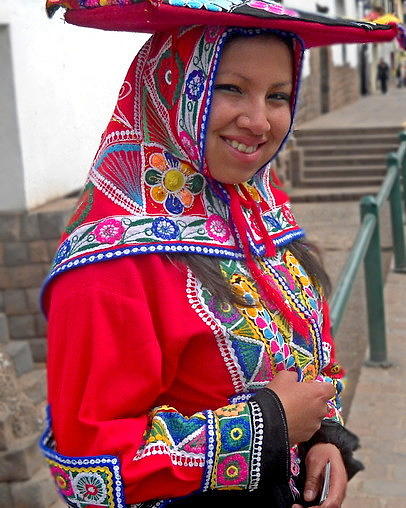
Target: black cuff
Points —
{"points": [[275, 464], [346, 442]]}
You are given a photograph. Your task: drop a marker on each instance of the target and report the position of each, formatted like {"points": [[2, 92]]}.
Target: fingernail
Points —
{"points": [[309, 495]]}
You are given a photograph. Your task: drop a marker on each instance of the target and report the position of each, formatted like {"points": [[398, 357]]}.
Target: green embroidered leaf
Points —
{"points": [[153, 177], [195, 184], [196, 223], [140, 222], [203, 238], [87, 231], [88, 246]]}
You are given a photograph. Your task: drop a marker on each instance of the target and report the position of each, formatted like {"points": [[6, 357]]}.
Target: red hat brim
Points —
{"points": [[143, 16]]}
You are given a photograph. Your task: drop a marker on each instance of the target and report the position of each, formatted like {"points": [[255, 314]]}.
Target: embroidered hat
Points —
{"points": [[163, 15]]}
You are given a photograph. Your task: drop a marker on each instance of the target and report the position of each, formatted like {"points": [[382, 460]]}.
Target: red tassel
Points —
{"points": [[266, 286]]}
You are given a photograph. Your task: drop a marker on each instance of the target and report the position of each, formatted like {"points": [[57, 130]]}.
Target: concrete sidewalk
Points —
{"points": [[378, 415]]}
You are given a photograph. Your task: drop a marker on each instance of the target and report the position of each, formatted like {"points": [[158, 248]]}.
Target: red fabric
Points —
{"points": [[104, 378], [144, 17]]}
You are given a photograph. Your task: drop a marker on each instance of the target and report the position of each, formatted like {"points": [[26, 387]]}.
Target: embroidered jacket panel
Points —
{"points": [[146, 366]]}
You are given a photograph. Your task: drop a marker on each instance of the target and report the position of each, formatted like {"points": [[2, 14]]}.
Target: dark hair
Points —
{"points": [[207, 269]]}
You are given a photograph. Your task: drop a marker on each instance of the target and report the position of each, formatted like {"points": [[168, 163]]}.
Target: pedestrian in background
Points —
{"points": [[383, 75], [399, 76]]}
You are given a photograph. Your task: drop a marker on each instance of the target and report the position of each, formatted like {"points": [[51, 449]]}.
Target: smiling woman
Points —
{"points": [[199, 367]]}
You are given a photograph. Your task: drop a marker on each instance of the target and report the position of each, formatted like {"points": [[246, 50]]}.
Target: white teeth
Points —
{"points": [[241, 147]]}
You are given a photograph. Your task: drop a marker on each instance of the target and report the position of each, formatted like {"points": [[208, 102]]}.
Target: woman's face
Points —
{"points": [[250, 114]]}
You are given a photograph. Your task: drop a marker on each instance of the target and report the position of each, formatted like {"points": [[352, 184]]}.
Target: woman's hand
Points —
{"points": [[304, 404], [316, 459]]}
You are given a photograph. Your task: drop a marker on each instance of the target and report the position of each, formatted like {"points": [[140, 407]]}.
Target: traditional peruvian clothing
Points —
{"points": [[156, 387]]}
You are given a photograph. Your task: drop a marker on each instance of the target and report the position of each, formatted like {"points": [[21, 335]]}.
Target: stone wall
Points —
{"points": [[343, 83], [27, 245]]}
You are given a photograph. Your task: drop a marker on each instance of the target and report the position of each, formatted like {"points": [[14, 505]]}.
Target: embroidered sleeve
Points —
{"points": [[225, 443]]}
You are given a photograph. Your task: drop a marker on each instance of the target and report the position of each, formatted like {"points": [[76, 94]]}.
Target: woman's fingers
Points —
{"points": [[316, 459]]}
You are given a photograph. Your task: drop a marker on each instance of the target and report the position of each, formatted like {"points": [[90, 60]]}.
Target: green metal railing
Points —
{"points": [[367, 248]]}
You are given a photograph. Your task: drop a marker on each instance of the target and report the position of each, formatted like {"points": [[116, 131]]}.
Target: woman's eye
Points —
{"points": [[227, 88], [280, 97]]}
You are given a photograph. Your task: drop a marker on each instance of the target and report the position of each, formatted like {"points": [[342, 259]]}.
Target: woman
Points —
{"points": [[197, 365]]}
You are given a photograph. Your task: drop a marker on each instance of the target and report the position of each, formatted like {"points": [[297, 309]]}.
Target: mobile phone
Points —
{"points": [[326, 483]]}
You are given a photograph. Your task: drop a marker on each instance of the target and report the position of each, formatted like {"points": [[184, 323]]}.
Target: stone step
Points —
{"points": [[21, 356], [350, 140], [345, 172], [316, 194], [323, 150], [37, 492], [341, 182], [22, 461], [303, 132], [338, 160], [33, 384]]}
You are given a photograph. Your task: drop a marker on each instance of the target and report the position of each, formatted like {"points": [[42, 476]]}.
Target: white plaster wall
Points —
{"points": [[66, 83]]}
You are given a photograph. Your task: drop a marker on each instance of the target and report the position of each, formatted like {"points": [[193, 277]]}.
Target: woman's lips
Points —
{"points": [[245, 151]]}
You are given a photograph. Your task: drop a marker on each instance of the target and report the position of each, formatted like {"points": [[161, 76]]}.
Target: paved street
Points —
{"points": [[378, 409]]}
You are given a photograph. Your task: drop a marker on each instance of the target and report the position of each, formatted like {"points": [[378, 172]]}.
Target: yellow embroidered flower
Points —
{"points": [[173, 183]]}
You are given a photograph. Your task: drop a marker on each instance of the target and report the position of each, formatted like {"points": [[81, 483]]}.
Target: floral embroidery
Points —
{"points": [[165, 228], [108, 231], [173, 183], [62, 481], [217, 228], [91, 487], [195, 84]]}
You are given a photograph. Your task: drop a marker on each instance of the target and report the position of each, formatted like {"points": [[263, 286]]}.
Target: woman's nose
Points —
{"points": [[255, 120]]}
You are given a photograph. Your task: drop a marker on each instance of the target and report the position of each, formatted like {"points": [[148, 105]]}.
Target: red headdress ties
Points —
{"points": [[266, 286]]}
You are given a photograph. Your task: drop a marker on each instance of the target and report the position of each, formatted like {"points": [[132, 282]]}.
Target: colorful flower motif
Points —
{"points": [[223, 311], [232, 470], [288, 214], [109, 231], [273, 7], [284, 272], [63, 252], [169, 77], [165, 228], [195, 84], [91, 487], [173, 183], [189, 145], [217, 228], [62, 480]]}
